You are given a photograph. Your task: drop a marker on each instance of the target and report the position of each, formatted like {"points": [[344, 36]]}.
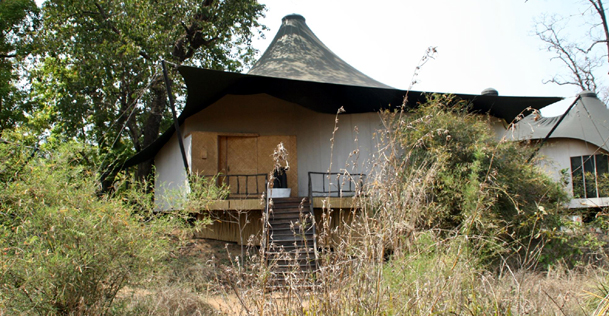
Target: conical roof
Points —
{"points": [[588, 120], [296, 53]]}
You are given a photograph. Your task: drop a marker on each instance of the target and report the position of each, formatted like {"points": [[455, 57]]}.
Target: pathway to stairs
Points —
{"points": [[291, 252]]}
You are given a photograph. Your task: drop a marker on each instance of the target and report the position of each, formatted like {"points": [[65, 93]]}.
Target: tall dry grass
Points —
{"points": [[441, 227], [398, 254]]}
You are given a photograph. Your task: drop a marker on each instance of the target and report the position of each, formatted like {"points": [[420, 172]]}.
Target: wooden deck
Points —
{"points": [[258, 204], [240, 221]]}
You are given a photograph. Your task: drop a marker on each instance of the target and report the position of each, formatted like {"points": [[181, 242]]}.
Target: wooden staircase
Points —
{"points": [[291, 252]]}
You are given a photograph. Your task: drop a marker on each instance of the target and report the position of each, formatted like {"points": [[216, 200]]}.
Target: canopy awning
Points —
{"points": [[588, 121], [297, 67], [205, 87]]}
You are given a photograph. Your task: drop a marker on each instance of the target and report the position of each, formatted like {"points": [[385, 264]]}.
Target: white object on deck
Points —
{"points": [[279, 192]]}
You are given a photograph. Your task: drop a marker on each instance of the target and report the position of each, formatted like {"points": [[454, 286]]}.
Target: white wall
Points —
{"points": [[171, 183], [557, 153]]}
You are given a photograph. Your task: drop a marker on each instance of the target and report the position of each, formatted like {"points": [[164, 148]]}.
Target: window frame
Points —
{"points": [[586, 169]]}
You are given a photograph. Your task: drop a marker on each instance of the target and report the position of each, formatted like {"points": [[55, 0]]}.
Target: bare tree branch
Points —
{"points": [[593, 44], [581, 60], [568, 54], [598, 6]]}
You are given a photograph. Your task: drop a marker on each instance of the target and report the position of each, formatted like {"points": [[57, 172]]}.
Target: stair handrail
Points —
{"points": [[265, 223], [314, 224]]}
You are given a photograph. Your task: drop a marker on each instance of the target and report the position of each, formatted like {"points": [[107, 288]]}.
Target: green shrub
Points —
{"points": [[478, 184], [64, 249]]}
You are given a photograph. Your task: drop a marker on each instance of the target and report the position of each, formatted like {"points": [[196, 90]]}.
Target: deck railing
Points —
{"points": [[329, 184], [335, 184], [244, 186]]}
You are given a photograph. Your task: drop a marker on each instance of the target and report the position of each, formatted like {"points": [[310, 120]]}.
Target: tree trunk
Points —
{"points": [[152, 126]]}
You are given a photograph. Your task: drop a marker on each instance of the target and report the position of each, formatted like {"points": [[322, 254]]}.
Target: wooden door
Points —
{"points": [[238, 160]]}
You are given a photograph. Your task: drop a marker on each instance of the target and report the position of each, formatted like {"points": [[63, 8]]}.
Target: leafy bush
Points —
{"points": [[66, 250], [468, 179]]}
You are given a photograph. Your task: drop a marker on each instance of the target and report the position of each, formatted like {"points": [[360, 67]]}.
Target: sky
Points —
{"points": [[480, 43]]}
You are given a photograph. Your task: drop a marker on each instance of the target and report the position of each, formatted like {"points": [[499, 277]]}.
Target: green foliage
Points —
{"points": [[18, 22], [100, 69], [481, 186], [64, 249], [578, 243], [202, 192]]}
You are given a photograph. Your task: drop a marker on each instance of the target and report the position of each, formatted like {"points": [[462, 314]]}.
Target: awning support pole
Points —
{"points": [[175, 117], [553, 129]]}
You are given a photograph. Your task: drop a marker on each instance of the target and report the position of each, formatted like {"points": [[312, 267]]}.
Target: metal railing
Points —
{"points": [[335, 184], [244, 186], [330, 184]]}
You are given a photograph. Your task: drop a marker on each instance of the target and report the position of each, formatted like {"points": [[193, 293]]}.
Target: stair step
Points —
{"points": [[309, 259], [292, 261], [290, 210], [290, 219], [284, 230], [290, 227], [293, 203], [295, 216], [292, 243], [291, 256], [287, 229], [292, 237], [287, 241], [291, 200], [287, 221], [289, 252], [307, 286], [283, 263], [292, 274], [289, 249], [294, 278], [299, 271], [284, 233], [282, 239]]}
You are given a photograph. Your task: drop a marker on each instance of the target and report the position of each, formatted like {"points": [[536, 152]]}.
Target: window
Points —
{"points": [[590, 176]]}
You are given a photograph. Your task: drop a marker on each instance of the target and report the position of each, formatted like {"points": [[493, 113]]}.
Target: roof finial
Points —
{"points": [[293, 16], [490, 91], [587, 94]]}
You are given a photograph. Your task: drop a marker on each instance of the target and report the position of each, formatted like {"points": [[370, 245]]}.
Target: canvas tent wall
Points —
{"points": [[579, 145], [309, 144]]}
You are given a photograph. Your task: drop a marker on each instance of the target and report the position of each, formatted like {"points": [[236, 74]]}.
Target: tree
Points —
{"points": [[100, 63], [18, 20], [583, 57]]}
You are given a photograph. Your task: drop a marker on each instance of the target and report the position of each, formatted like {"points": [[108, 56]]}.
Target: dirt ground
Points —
{"points": [[193, 284], [217, 255]]}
